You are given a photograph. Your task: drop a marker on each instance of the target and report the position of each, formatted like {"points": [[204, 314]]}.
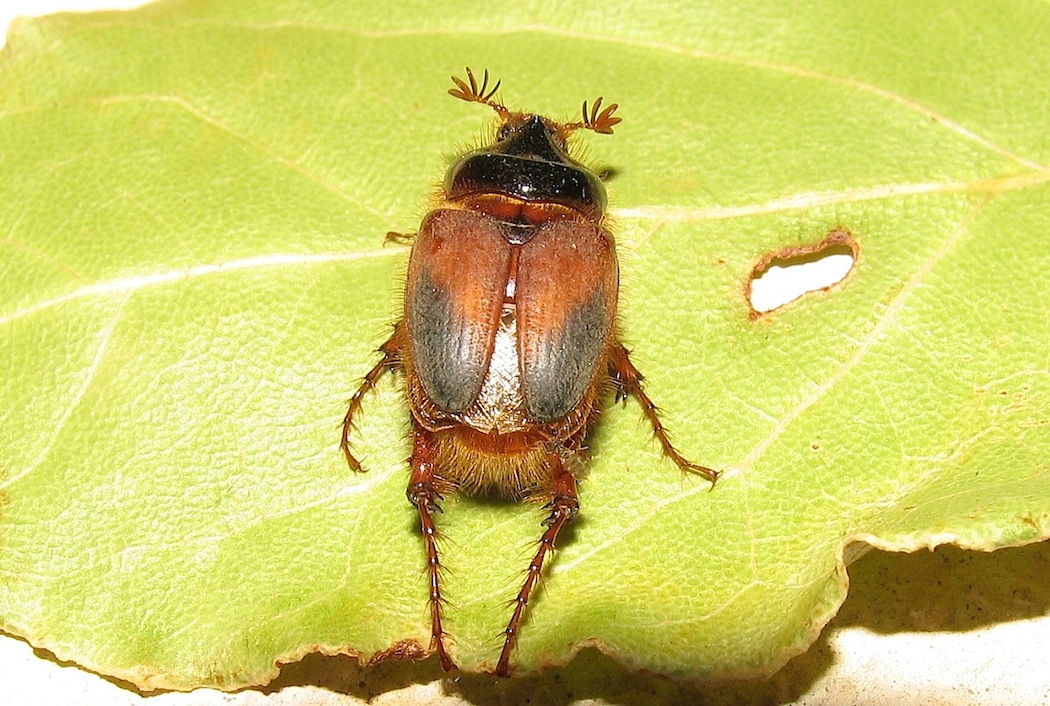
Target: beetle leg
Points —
{"points": [[423, 494], [564, 505], [628, 381], [391, 351], [396, 238]]}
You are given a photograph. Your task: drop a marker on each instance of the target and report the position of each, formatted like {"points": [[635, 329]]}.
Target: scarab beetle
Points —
{"points": [[508, 341]]}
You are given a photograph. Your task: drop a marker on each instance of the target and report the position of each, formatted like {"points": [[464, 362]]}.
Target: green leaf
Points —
{"points": [[194, 281]]}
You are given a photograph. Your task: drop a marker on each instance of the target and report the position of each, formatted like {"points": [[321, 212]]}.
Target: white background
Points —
{"points": [[1006, 662]]}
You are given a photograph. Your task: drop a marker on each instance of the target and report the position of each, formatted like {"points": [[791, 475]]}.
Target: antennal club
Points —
{"points": [[470, 91], [596, 119], [601, 122]]}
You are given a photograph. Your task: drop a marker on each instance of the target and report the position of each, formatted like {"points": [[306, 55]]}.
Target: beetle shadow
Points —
{"points": [[944, 590]]}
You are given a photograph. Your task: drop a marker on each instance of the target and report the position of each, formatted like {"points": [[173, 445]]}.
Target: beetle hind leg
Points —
{"points": [[564, 506], [628, 381], [391, 360], [423, 494]]}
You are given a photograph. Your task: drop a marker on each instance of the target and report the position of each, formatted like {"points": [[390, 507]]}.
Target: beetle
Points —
{"points": [[508, 341]]}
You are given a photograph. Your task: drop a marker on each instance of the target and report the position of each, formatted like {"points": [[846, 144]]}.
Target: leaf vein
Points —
{"points": [[816, 199], [904, 101], [258, 145], [76, 399], [889, 316], [132, 284]]}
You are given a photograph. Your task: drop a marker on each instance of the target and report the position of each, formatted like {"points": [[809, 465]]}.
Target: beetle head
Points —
{"points": [[530, 160]]}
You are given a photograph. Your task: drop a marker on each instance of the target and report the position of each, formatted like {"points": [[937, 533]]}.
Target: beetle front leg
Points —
{"points": [[391, 360], [628, 381], [424, 495], [398, 238], [564, 506]]}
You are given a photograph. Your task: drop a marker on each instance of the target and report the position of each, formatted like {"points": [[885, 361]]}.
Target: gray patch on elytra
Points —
{"points": [[566, 363], [450, 363]]}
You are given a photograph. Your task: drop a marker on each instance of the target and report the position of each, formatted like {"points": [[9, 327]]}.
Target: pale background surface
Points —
{"points": [[946, 628]]}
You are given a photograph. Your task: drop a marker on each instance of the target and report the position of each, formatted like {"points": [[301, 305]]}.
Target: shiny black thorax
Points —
{"points": [[529, 162]]}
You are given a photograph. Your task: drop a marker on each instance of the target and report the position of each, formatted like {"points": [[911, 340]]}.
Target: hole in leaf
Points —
{"points": [[791, 273]]}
